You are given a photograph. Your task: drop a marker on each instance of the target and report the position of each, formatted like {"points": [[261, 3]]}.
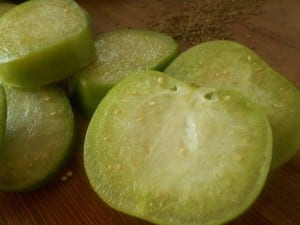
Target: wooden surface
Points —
{"points": [[275, 35]]}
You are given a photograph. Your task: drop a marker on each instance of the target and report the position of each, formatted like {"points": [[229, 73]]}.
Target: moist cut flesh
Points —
{"points": [[175, 154]]}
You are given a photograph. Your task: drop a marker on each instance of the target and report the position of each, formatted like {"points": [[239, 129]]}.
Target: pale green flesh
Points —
{"points": [[2, 116], [43, 41], [225, 64], [119, 53], [39, 134], [172, 154]]}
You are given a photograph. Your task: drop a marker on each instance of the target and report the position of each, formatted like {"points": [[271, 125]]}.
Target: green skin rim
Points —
{"points": [[2, 116]]}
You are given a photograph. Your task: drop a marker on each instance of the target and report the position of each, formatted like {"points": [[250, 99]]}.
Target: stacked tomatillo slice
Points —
{"points": [[120, 53], [41, 42]]}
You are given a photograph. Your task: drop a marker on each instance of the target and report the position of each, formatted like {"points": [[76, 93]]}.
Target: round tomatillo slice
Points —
{"points": [[175, 154], [226, 64], [38, 138], [43, 41], [120, 53]]}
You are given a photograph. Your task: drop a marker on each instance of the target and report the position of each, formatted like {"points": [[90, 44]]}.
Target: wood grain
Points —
{"points": [[275, 35]]}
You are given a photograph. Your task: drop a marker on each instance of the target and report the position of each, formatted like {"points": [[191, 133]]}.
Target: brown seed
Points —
{"points": [[160, 80], [238, 158], [182, 151], [141, 119], [52, 114], [64, 178], [117, 111], [227, 97], [69, 173], [151, 103], [47, 99], [109, 167]]}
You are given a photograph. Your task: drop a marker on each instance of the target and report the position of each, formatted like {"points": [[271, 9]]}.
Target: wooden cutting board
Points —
{"points": [[274, 34]]}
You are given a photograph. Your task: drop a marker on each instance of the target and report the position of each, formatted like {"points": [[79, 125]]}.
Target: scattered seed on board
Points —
{"points": [[197, 21], [67, 175], [64, 178]]}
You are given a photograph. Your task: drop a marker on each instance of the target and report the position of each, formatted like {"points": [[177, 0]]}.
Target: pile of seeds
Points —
{"points": [[196, 21]]}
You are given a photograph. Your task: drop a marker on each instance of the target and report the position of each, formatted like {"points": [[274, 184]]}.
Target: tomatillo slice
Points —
{"points": [[43, 41], [2, 116], [120, 53], [175, 154], [226, 64], [38, 139]]}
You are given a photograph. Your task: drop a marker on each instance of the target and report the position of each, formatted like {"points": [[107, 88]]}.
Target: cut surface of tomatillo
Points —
{"points": [[119, 53], [43, 41], [2, 116], [38, 138], [230, 65], [174, 154]]}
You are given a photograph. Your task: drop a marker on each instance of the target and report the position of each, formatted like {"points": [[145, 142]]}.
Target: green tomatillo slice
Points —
{"points": [[120, 53], [175, 154], [43, 41], [38, 139], [226, 64]]}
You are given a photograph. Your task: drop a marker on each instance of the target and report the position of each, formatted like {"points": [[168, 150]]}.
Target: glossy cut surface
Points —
{"points": [[173, 154], [42, 42]]}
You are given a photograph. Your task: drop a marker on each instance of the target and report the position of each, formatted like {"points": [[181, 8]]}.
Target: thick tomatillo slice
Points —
{"points": [[174, 154], [38, 139], [2, 116], [119, 53], [226, 64], [43, 42]]}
